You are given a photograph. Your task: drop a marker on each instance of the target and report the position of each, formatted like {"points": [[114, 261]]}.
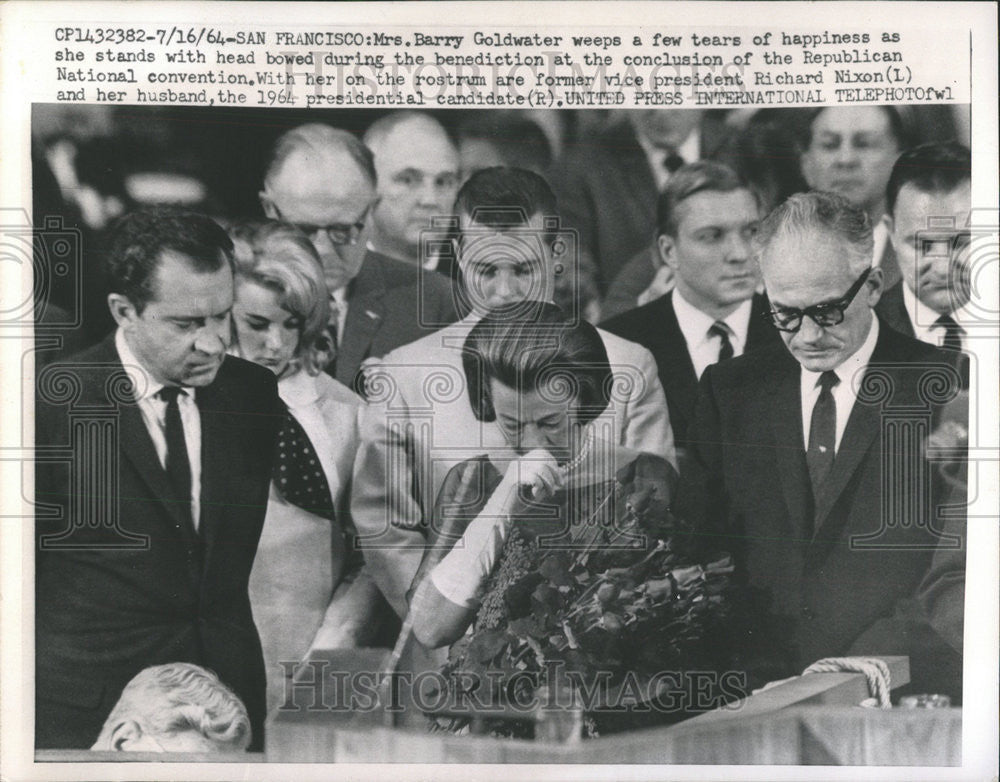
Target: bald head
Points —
{"points": [[417, 167], [322, 180]]}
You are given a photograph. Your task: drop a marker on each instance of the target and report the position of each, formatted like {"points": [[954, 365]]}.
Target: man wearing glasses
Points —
{"points": [[323, 181], [809, 463]]}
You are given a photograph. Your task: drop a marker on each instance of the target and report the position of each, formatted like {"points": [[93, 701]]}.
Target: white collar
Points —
{"points": [[695, 324], [689, 148], [849, 370], [923, 318], [299, 389]]}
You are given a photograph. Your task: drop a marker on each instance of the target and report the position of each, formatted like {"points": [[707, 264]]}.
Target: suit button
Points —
{"points": [[807, 612]]}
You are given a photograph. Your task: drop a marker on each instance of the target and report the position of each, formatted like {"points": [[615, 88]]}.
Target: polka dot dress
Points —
{"points": [[298, 473]]}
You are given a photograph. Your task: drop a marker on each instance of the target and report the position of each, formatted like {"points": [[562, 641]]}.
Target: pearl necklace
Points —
{"points": [[584, 452]]}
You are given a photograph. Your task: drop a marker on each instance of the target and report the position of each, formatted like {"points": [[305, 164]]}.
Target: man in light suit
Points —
{"points": [[146, 538], [323, 181], [706, 218], [928, 197], [419, 422], [809, 466]]}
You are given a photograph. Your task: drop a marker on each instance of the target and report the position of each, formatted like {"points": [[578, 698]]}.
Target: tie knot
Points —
{"points": [[828, 380], [169, 394], [672, 161], [948, 322], [719, 329]]}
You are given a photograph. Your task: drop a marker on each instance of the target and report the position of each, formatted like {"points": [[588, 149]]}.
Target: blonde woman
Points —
{"points": [[307, 574]]}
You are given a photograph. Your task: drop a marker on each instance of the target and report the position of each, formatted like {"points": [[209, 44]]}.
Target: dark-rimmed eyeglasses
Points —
{"points": [[337, 233], [825, 315]]}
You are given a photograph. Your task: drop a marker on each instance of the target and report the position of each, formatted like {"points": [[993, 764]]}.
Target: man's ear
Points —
{"points": [[875, 285], [267, 205], [125, 734], [666, 249], [122, 309]]}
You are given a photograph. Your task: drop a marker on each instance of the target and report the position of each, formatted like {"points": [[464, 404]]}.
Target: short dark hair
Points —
{"points": [[936, 167], [524, 352], [897, 126], [689, 180], [138, 240], [504, 197], [517, 139]]}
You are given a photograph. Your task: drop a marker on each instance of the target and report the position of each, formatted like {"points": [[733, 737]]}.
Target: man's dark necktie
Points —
{"points": [[822, 433], [721, 330], [178, 466], [672, 161], [952, 332]]}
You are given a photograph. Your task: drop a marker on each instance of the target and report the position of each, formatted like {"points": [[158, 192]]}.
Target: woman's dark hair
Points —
{"points": [[544, 351]]}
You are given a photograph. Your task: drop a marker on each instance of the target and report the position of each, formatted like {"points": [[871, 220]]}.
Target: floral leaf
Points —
{"points": [[486, 644], [518, 595]]}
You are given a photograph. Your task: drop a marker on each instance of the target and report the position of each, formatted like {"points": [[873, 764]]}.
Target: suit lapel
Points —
{"points": [[680, 383], [786, 423], [137, 449], [365, 312], [216, 459], [863, 426], [761, 333], [892, 310]]}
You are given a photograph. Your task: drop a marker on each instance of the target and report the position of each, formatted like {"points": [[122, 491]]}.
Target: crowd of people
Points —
{"points": [[418, 320]]}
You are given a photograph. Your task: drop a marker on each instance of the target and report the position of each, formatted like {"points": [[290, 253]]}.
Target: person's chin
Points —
{"points": [[201, 374], [739, 288]]}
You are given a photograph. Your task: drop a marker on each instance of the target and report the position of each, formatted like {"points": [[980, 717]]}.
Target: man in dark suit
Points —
{"points": [[928, 198], [607, 186], [706, 218], [323, 181], [147, 528], [809, 465], [849, 150]]}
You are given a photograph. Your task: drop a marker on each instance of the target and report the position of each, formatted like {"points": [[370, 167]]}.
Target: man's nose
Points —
{"points": [[737, 248], [213, 338], [504, 284], [846, 155], [809, 331], [429, 193]]}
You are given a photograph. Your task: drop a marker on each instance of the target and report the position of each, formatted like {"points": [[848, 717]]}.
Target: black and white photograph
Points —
{"points": [[555, 391]]}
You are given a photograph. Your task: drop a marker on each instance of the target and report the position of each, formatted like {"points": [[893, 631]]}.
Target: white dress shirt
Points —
{"points": [[154, 416], [338, 302], [702, 346], [880, 237], [844, 393], [689, 150], [923, 319]]}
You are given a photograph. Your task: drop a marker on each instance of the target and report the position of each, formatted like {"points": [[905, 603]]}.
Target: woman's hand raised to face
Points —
{"points": [[533, 478]]}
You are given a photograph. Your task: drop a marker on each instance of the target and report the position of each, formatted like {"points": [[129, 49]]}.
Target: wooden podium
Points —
{"points": [[810, 720]]}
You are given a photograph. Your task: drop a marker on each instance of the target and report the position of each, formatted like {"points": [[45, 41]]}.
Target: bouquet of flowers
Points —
{"points": [[610, 608]]}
